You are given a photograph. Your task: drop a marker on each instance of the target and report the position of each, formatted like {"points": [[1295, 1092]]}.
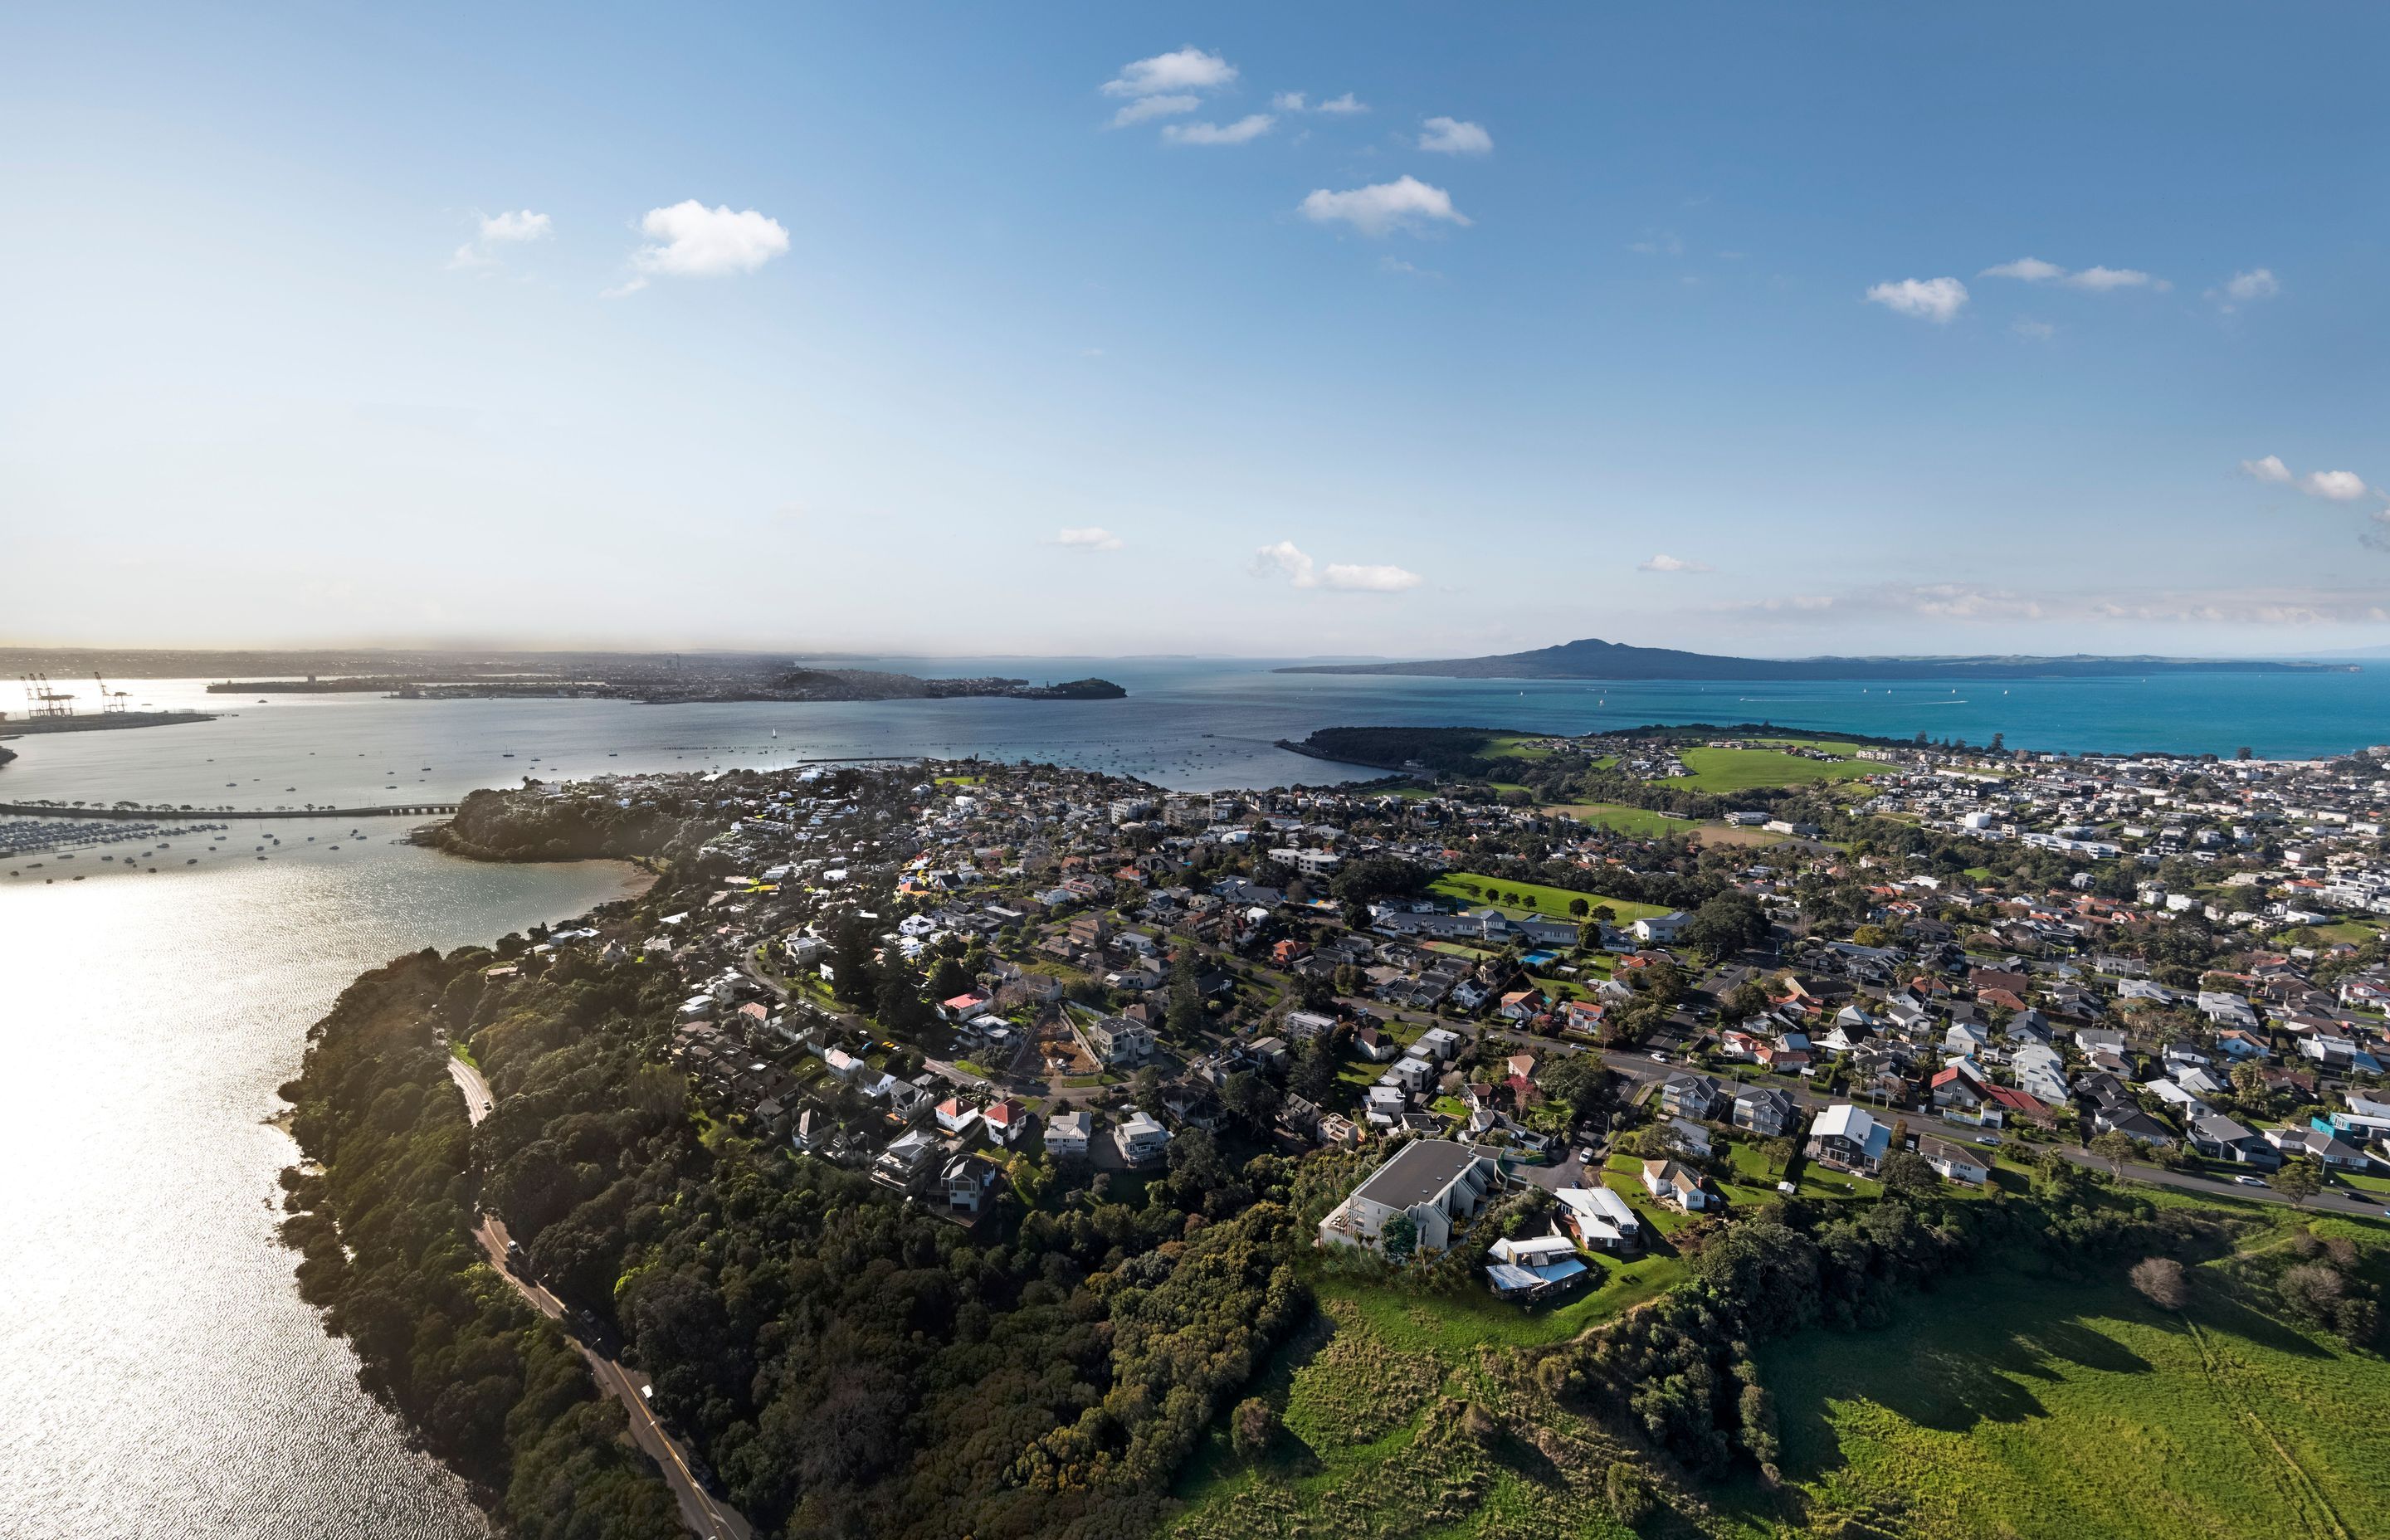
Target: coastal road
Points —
{"points": [[468, 1080], [699, 1508]]}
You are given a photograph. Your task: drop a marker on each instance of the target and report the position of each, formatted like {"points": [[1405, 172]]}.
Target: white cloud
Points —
{"points": [[1147, 108], [512, 228], [1452, 136], [1285, 559], [1300, 101], [521, 225], [2039, 331], [2102, 279], [2258, 283], [1243, 131], [2335, 486], [1936, 300], [1663, 243], [2031, 269], [2097, 280], [2340, 486], [1409, 269], [1403, 203], [1666, 563], [693, 241], [1092, 538], [1187, 68]]}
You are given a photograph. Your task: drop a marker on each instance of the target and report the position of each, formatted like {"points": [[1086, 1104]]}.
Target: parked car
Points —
{"points": [[2251, 1181]]}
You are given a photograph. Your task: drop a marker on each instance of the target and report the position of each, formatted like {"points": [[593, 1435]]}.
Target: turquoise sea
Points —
{"points": [[1193, 724]]}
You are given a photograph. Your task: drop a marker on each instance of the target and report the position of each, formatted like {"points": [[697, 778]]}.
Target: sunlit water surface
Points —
{"points": [[158, 1373]]}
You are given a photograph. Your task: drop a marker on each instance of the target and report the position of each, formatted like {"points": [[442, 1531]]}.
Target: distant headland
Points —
{"points": [[1593, 659]]}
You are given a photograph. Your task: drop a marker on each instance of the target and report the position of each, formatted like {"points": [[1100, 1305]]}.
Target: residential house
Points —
{"points": [[1067, 1133], [1848, 1139], [1436, 1182], [1692, 1095], [2220, 1138], [906, 1157], [1956, 1163], [2316, 1145], [1672, 1184], [1766, 1111], [1689, 1137], [1116, 1040], [1141, 1140], [966, 1182], [1601, 1219], [1006, 1121]]}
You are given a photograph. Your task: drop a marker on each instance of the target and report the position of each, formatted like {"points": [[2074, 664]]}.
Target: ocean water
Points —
{"points": [[1186, 724]]}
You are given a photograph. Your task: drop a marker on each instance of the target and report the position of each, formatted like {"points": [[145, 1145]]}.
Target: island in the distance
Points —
{"points": [[1594, 659]]}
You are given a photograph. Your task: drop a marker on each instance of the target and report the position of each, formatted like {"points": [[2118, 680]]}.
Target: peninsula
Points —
{"points": [[1595, 659], [645, 677]]}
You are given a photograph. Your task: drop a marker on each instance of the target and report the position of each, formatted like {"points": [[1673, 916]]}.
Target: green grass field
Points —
{"points": [[2018, 1407], [1640, 822], [1533, 898], [1729, 770]]}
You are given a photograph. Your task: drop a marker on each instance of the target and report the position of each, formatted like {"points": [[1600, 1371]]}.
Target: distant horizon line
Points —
{"points": [[29, 652]]}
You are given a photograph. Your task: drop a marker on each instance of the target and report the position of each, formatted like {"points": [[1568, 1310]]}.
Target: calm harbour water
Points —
{"points": [[161, 1373]]}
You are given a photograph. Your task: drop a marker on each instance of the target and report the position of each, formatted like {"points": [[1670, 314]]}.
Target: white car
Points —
{"points": [[1659, 1057], [2251, 1181]]}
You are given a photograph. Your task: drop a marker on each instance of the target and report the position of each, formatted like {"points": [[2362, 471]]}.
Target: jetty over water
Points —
{"points": [[394, 810]]}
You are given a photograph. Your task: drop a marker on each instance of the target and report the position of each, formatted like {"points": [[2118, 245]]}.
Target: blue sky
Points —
{"points": [[1765, 329]]}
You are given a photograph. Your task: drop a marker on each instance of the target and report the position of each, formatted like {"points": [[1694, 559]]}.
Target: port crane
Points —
{"points": [[45, 700], [112, 702]]}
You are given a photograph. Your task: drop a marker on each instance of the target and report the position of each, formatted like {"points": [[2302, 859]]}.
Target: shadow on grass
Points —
{"points": [[2220, 1306], [1943, 1366]]}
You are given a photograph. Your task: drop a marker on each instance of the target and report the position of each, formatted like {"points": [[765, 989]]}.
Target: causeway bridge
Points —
{"points": [[394, 810]]}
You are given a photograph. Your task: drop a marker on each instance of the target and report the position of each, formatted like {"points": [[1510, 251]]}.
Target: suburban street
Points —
{"points": [[700, 1509], [1640, 1067], [952, 1073]]}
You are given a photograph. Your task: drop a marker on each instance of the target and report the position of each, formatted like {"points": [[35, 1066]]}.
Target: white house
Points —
{"points": [[1670, 1183], [1436, 1182], [1660, 930], [1140, 1139], [1067, 1133], [1848, 1139], [1601, 1220]]}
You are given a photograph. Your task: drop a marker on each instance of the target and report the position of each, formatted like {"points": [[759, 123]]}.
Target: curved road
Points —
{"points": [[700, 1509]]}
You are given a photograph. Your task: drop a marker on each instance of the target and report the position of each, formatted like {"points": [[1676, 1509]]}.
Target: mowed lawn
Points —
{"points": [[1727, 770], [1534, 898], [2017, 1406]]}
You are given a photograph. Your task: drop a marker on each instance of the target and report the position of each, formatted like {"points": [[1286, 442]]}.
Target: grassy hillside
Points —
{"points": [[1401, 1418], [2017, 1406]]}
